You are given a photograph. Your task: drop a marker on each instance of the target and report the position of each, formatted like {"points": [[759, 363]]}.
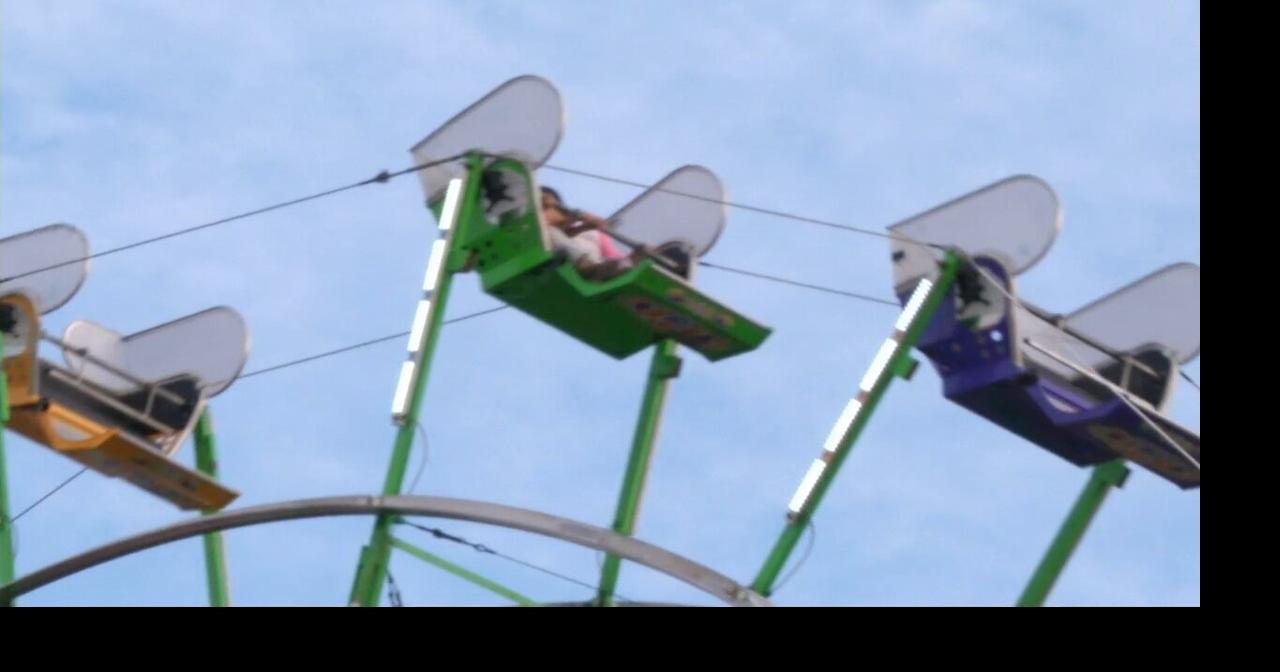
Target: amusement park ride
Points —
{"points": [[1091, 386]]}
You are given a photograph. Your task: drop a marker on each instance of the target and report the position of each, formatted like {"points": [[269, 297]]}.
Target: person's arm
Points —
{"points": [[593, 220], [584, 221]]}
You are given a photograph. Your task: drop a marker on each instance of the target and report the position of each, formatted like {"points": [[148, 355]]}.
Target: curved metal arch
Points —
{"points": [[590, 536]]}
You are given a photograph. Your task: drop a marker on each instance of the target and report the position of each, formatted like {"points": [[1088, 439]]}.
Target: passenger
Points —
{"points": [[582, 237]]}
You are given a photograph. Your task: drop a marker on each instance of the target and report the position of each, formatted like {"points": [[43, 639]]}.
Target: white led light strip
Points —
{"points": [[425, 314]]}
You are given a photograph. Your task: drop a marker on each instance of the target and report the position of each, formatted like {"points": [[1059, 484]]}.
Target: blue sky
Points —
{"points": [[129, 119]]}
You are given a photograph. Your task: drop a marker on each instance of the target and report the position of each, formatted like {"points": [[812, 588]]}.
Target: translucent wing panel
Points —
{"points": [[211, 345], [1044, 334], [523, 118], [1162, 308], [1014, 220], [103, 345], [687, 205], [60, 245]]}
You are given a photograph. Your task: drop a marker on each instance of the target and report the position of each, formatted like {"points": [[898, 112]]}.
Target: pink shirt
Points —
{"points": [[608, 249]]}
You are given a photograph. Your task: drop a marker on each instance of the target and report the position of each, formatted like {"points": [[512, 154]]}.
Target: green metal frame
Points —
{"points": [[664, 366], [371, 574], [624, 313], [462, 572], [1104, 477], [215, 556], [7, 555], [899, 364]]}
